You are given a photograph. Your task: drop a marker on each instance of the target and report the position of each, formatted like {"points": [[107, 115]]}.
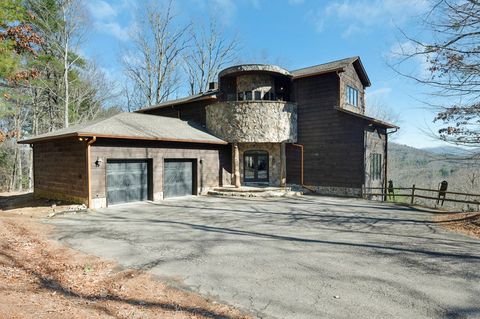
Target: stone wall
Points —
{"points": [[274, 164], [253, 121]]}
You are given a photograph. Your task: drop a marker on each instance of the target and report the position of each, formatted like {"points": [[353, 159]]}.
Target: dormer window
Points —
{"points": [[352, 96]]}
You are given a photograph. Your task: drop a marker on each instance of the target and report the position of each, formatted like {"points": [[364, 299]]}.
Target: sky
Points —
{"points": [[295, 34]]}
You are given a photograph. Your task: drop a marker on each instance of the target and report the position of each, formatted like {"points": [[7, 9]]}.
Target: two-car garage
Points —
{"points": [[128, 157], [131, 180]]}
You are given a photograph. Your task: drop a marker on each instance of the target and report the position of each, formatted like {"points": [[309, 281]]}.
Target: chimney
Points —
{"points": [[212, 86]]}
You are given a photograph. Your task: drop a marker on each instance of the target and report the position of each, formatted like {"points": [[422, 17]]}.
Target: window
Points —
{"points": [[241, 96], [352, 96], [258, 95], [248, 95], [266, 96], [375, 166]]}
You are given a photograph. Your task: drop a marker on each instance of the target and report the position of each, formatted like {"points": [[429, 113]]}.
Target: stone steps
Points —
{"points": [[246, 191]]}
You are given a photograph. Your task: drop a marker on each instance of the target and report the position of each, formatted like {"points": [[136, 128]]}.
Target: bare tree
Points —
{"points": [[152, 63], [63, 26], [210, 52], [452, 58]]}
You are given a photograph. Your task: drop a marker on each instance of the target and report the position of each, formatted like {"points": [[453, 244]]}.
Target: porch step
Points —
{"points": [[248, 191]]}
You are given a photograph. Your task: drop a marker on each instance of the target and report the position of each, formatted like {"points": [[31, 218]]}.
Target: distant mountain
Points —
{"points": [[452, 150], [427, 168]]}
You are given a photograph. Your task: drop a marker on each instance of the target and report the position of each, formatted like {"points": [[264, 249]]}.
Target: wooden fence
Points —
{"points": [[423, 193]]}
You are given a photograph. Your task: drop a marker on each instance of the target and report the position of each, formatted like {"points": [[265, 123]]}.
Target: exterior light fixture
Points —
{"points": [[98, 162]]}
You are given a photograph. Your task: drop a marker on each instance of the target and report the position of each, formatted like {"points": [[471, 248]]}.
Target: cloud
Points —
{"points": [[358, 16], [226, 9], [114, 29], [379, 92], [101, 10]]}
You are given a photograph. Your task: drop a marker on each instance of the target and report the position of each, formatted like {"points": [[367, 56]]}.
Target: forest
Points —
{"points": [[46, 83]]}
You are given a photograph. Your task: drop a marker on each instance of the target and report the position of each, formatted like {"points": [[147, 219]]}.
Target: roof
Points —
{"points": [[333, 66], [241, 68], [368, 118], [134, 126], [191, 98]]}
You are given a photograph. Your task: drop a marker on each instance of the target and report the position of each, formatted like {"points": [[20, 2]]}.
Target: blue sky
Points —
{"points": [[295, 34]]}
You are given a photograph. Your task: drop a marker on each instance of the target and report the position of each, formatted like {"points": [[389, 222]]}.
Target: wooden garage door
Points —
{"points": [[178, 177], [127, 181]]}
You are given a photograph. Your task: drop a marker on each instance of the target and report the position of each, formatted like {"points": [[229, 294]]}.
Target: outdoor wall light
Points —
{"points": [[98, 162]]}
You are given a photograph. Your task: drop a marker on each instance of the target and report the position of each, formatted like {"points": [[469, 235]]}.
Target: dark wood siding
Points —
{"points": [[294, 164], [60, 170], [194, 111], [333, 141], [213, 161]]}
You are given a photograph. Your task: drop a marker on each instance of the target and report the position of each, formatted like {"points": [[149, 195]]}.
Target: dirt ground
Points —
{"points": [[40, 278], [466, 223]]}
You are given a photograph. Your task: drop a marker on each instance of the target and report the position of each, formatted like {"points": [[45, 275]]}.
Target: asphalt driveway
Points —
{"points": [[305, 257]]}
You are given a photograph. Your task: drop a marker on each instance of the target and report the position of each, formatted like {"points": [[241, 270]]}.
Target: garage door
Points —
{"points": [[178, 178], [127, 181]]}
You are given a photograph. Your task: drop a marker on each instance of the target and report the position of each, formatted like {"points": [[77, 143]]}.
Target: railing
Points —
{"points": [[417, 192]]}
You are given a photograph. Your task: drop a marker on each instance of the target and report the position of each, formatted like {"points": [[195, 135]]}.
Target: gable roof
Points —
{"points": [[191, 98], [134, 126], [333, 66]]}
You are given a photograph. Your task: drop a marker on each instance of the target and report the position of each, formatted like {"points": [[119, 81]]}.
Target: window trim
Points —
{"points": [[354, 93]]}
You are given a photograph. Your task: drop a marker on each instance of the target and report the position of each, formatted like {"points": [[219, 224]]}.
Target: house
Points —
{"points": [[259, 125]]}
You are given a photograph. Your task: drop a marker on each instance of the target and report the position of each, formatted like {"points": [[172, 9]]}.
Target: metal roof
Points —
{"points": [[334, 66], [134, 126]]}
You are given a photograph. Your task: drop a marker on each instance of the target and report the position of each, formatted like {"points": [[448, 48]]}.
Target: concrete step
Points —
{"points": [[246, 191]]}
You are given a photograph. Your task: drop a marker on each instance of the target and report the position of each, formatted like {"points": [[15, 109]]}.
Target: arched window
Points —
{"points": [[255, 166]]}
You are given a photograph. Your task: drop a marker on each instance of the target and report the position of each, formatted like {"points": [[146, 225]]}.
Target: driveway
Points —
{"points": [[305, 257]]}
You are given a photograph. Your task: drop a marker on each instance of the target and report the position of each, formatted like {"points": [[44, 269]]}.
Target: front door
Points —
{"points": [[255, 167]]}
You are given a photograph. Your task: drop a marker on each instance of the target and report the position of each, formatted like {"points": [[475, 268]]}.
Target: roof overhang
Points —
{"points": [[189, 99], [306, 75], [120, 137], [368, 119]]}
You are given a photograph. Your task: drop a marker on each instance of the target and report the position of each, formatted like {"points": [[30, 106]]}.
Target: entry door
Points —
{"points": [[255, 166], [178, 178], [127, 181]]}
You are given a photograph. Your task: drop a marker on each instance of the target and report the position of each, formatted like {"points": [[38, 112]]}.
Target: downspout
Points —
{"points": [[386, 160], [89, 171]]}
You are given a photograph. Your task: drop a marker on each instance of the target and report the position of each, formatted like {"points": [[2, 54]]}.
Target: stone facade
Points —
{"points": [[336, 191], [253, 121], [253, 68], [274, 164]]}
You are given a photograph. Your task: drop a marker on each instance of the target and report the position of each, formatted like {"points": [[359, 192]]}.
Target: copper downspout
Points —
{"points": [[89, 171]]}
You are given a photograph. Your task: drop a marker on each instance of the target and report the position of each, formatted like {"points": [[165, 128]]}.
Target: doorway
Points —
{"points": [[255, 167]]}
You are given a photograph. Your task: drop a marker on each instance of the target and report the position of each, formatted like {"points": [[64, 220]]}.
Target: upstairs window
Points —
{"points": [[352, 96], [241, 96], [375, 166]]}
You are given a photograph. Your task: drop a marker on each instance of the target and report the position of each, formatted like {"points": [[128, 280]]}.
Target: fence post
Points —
{"points": [[413, 194]]}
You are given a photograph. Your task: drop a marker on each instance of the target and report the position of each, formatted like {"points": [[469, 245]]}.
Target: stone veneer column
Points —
{"points": [[236, 165], [283, 165]]}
